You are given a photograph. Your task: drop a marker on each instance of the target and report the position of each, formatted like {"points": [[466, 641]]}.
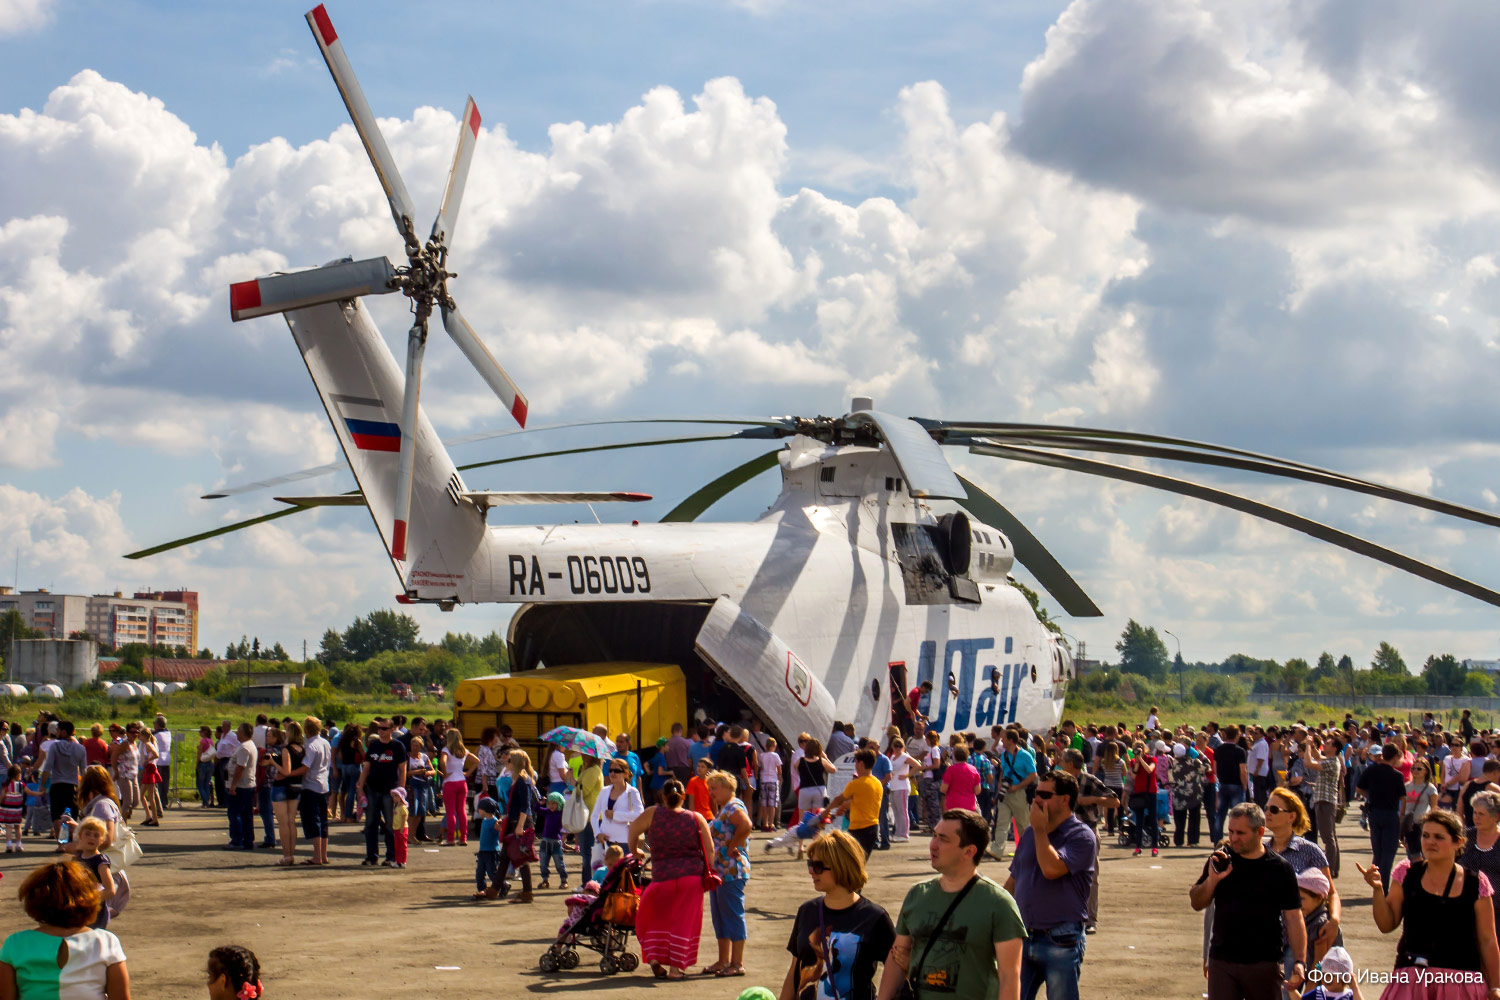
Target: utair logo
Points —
{"points": [[999, 686]]}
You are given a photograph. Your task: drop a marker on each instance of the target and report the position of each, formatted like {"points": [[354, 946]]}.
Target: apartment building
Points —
{"points": [[160, 618]]}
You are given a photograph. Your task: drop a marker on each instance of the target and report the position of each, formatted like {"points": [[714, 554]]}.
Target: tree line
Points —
{"points": [[1142, 652]]}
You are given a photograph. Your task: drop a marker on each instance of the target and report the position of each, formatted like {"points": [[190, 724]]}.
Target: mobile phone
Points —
{"points": [[1220, 862]]}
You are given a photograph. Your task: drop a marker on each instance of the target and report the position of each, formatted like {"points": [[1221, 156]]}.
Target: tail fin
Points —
{"points": [[361, 386]]}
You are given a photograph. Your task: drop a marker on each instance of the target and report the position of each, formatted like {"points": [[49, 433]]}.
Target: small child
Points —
{"points": [[1337, 974], [770, 785], [549, 841], [612, 856], [38, 812], [1313, 887], [399, 816], [812, 824], [13, 808], [90, 833], [486, 863], [233, 974]]}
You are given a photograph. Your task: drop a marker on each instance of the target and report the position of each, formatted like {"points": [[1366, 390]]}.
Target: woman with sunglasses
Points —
{"points": [[839, 937], [1286, 821], [616, 808], [1421, 796]]}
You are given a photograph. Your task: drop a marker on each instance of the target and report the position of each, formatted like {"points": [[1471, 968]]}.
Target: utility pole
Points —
{"points": [[1180, 699]]}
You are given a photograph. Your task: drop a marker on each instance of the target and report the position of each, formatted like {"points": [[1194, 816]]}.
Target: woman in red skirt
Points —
{"points": [[670, 918]]}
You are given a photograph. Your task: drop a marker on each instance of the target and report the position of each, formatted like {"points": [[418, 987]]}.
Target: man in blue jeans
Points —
{"points": [[383, 770], [1384, 789], [1051, 876], [1230, 769], [882, 774], [239, 790]]}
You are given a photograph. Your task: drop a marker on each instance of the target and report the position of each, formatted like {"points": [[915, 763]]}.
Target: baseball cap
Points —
{"points": [[1179, 750], [1337, 961], [1313, 881], [488, 805]]}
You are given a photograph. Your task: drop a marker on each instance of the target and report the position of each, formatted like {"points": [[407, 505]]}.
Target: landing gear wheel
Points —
{"points": [[607, 965], [629, 961], [548, 962], [569, 959]]}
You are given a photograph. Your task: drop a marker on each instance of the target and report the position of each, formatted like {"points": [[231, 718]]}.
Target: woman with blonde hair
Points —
{"points": [[519, 809], [836, 865], [731, 862], [455, 763], [1286, 822], [1421, 795], [286, 790]]}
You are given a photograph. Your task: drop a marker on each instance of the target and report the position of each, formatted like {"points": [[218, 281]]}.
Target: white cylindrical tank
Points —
{"points": [[15, 690], [173, 687], [157, 687], [120, 691], [46, 691]]}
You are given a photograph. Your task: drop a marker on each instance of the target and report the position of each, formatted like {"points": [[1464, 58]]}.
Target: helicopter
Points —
{"points": [[877, 569]]}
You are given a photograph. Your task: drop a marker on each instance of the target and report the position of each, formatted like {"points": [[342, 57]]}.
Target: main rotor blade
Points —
{"points": [[1030, 552], [484, 362], [748, 434], [205, 535], [1270, 467], [739, 436], [416, 343], [458, 174], [699, 501], [365, 124], [1307, 526], [920, 460], [961, 432], [769, 428]]}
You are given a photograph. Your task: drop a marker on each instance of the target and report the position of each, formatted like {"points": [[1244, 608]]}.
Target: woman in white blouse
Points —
{"points": [[616, 807]]}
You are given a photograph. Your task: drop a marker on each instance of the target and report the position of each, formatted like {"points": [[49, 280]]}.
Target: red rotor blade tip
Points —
{"points": [[518, 410], [474, 120], [325, 25], [243, 295], [398, 542]]}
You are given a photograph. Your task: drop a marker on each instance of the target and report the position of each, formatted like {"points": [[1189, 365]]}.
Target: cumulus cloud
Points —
{"points": [[1198, 223], [17, 17]]}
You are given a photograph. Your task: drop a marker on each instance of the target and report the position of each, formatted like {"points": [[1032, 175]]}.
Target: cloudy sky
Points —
{"points": [[1279, 232]]}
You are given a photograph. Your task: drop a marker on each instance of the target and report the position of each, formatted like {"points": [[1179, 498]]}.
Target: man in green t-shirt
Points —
{"points": [[976, 953]]}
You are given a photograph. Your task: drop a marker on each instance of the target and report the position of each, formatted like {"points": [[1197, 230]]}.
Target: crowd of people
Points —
{"points": [[1271, 798]]}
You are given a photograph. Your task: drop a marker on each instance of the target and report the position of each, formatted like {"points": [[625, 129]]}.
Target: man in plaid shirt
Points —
{"points": [[1327, 794]]}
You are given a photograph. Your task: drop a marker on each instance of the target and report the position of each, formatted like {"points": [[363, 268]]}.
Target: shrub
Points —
{"points": [[1220, 692], [82, 705], [335, 710], [148, 708]]}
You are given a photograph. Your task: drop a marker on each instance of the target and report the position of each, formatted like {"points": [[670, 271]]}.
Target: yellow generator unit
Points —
{"points": [[642, 699]]}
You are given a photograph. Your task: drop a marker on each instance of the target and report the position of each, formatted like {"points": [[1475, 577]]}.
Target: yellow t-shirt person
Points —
{"points": [[863, 795]]}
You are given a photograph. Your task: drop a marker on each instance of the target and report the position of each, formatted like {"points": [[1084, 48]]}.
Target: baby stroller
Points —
{"points": [[602, 923], [1127, 826]]}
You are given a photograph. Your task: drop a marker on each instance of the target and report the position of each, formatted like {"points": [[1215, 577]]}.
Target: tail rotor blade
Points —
{"points": [[458, 175], [415, 345], [484, 362], [364, 123]]}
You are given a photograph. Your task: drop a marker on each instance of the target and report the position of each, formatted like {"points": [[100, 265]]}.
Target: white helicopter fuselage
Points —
{"points": [[809, 613]]}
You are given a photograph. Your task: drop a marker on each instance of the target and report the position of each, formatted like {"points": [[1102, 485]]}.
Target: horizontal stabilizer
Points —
{"points": [[347, 279], [485, 499], [355, 499]]}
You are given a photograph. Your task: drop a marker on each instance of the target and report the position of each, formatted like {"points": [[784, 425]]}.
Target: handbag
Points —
{"points": [[711, 879], [621, 905], [575, 814], [520, 848], [130, 848], [911, 986]]}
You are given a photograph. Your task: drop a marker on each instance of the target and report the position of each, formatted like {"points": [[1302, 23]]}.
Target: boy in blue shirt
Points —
{"points": [[488, 859]]}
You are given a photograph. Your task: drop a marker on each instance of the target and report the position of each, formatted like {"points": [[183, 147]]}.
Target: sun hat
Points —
{"points": [[1337, 961], [1314, 881]]}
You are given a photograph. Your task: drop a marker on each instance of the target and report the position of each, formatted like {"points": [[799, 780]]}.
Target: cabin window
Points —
{"points": [[890, 483], [875, 689]]}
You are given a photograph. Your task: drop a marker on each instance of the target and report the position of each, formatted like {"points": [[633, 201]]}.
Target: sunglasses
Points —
{"points": [[616, 770], [816, 868], [1275, 810], [1044, 795]]}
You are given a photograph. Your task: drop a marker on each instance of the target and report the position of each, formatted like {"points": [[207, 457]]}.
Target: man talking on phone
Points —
{"points": [[1253, 891]]}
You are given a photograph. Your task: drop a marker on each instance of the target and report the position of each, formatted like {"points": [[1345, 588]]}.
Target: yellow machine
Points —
{"points": [[642, 699]]}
